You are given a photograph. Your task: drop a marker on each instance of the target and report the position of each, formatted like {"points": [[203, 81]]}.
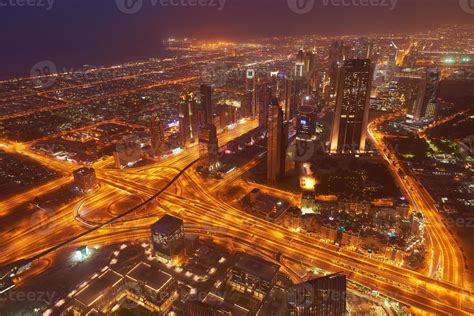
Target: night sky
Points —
{"points": [[77, 32]]}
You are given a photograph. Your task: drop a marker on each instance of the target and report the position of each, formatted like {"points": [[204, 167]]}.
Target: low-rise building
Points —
{"points": [[253, 275], [85, 179], [144, 285]]}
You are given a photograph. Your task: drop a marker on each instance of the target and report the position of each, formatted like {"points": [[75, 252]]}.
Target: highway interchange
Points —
{"points": [[201, 204]]}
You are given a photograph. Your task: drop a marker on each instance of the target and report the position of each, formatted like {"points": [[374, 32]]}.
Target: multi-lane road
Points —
{"points": [[198, 203], [201, 204], [447, 257]]}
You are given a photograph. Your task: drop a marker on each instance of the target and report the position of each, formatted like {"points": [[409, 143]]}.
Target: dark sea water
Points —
{"points": [[72, 33]]}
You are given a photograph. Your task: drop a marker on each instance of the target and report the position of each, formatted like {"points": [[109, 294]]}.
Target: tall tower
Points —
{"points": [[264, 99], [336, 56], [416, 108], [208, 146], [349, 130], [363, 48], [299, 65], [392, 54], [430, 100], [251, 92], [426, 101], [288, 98], [207, 110], [299, 91], [188, 119], [309, 62], [275, 144], [157, 135]]}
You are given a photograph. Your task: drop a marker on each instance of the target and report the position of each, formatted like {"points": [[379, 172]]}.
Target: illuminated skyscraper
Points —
{"points": [[288, 98], [392, 54], [251, 92], [349, 130], [325, 296], [208, 146], [309, 62], [425, 103], [361, 49], [157, 135], [275, 145], [189, 120], [416, 98], [284, 167], [315, 83], [265, 96], [299, 64], [430, 98], [207, 110], [168, 238], [336, 56], [348, 52], [294, 92]]}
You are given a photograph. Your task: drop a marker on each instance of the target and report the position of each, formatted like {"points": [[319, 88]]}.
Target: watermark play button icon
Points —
{"points": [[301, 6], [129, 6], [467, 6]]}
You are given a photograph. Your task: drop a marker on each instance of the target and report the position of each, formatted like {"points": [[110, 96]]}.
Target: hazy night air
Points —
{"points": [[237, 157]]}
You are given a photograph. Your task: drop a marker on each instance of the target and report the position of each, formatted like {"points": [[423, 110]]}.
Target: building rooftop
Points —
{"points": [[270, 206], [94, 290], [154, 279], [338, 277], [84, 171], [167, 225], [255, 266]]}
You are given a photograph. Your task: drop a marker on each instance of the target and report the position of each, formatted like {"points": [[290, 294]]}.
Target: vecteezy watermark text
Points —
{"points": [[47, 4], [305, 6], [134, 6], [44, 297]]}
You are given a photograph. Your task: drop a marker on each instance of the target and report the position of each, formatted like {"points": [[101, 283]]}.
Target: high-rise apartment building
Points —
{"points": [[207, 110], [336, 57], [299, 64], [189, 119], [349, 130], [275, 145], [265, 96], [208, 146]]}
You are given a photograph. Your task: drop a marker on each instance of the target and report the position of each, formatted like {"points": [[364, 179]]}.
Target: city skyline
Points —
{"points": [[62, 37], [253, 166]]}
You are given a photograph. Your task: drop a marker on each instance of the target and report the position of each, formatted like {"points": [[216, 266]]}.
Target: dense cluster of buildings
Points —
{"points": [[289, 98], [250, 282], [144, 287], [247, 285]]}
